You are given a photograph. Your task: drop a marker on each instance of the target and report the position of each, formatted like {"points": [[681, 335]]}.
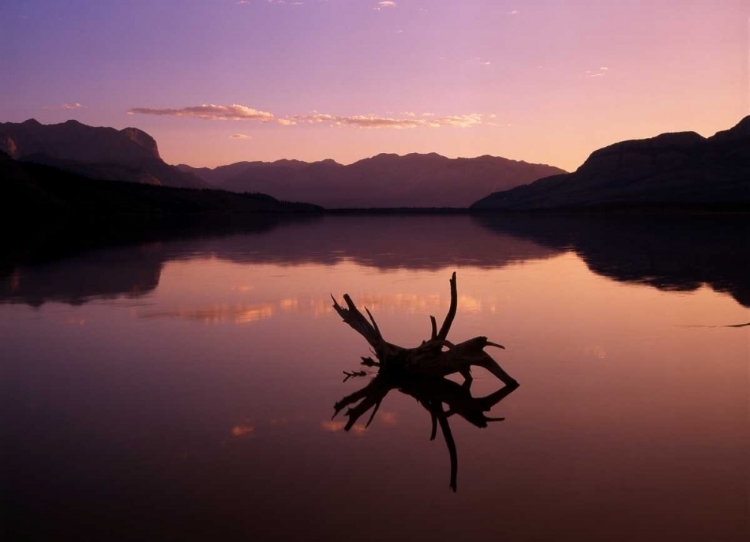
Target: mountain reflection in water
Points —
{"points": [[671, 253], [192, 400]]}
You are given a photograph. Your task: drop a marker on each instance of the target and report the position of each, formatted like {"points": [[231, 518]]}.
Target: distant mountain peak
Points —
{"points": [[95, 152], [681, 168], [328, 161], [669, 139], [141, 138], [384, 180], [740, 130], [420, 155]]}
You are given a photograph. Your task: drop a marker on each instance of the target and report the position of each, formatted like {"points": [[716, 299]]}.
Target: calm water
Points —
{"points": [[183, 390]]}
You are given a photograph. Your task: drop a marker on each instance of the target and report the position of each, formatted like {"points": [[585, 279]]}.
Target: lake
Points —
{"points": [[183, 387]]}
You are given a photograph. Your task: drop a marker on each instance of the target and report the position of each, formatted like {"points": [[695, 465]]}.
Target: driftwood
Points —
{"points": [[420, 372], [436, 357]]}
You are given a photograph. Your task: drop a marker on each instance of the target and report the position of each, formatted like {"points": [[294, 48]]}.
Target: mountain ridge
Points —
{"points": [[34, 193], [102, 153], [384, 180], [678, 168]]}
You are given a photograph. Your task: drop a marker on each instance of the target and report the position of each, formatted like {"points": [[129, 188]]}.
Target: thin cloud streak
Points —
{"points": [[384, 4], [241, 112], [601, 72], [375, 121], [208, 112]]}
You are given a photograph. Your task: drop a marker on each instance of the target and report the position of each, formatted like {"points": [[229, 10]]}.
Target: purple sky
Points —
{"points": [[539, 80]]}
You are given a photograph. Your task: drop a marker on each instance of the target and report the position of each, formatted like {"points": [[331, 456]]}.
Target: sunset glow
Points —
{"points": [[218, 82]]}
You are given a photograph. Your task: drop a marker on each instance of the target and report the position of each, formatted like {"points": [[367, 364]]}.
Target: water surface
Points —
{"points": [[183, 389]]}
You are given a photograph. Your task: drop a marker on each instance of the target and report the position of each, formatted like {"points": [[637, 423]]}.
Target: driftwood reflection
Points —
{"points": [[432, 393], [420, 372]]}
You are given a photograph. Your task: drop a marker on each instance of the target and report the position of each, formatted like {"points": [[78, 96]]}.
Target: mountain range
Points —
{"points": [[385, 180], [674, 169], [96, 152], [34, 193], [681, 169]]}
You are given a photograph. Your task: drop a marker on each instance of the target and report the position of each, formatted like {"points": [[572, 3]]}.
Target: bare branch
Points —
{"points": [[375, 325], [377, 406], [446, 327], [369, 362], [359, 323], [354, 374]]}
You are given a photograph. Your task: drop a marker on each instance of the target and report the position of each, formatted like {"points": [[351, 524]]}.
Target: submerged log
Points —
{"points": [[436, 357]]}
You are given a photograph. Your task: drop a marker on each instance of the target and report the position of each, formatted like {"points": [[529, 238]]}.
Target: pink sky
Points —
{"points": [[536, 80]]}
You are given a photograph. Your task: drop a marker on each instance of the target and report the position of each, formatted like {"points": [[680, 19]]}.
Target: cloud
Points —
{"points": [[479, 61], [208, 112], [375, 121], [514, 12], [240, 136], [601, 72], [384, 4], [407, 119], [72, 106]]}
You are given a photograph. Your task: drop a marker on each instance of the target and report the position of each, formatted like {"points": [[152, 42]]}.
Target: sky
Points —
{"points": [[218, 81]]}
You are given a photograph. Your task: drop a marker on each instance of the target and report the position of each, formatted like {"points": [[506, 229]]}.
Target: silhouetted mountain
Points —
{"points": [[21, 194], [31, 192], [385, 180], [98, 153], [680, 169]]}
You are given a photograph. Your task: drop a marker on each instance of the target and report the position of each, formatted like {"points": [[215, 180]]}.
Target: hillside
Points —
{"points": [[36, 193], [385, 180], [95, 152], [678, 169]]}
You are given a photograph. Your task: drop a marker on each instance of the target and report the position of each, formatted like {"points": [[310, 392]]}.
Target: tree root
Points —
{"points": [[436, 357]]}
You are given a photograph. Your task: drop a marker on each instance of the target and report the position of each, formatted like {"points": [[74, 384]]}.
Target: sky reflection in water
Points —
{"points": [[184, 390]]}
